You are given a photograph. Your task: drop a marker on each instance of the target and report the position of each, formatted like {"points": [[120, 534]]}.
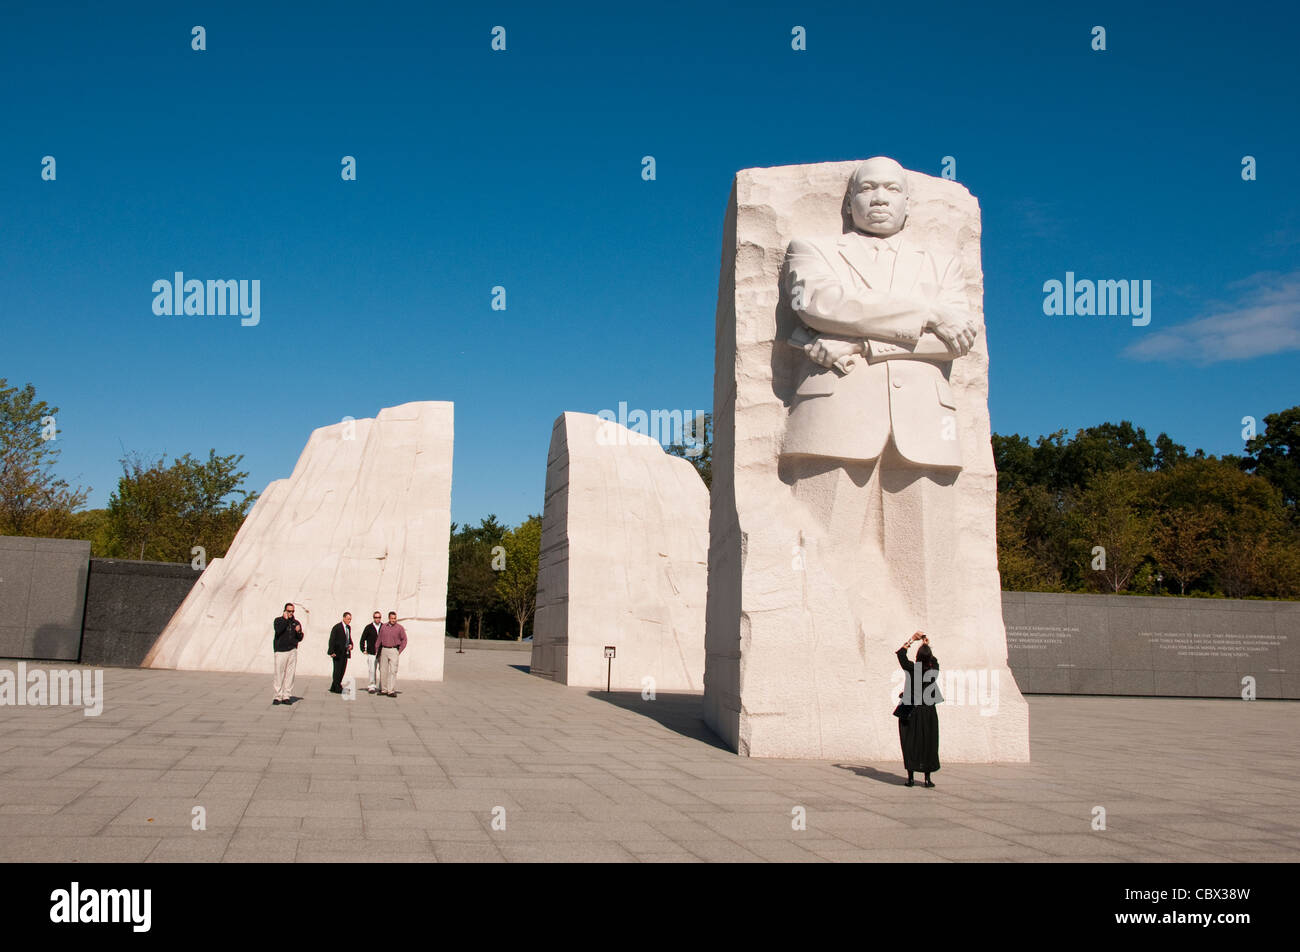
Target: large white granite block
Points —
{"points": [[363, 524], [854, 493], [623, 561]]}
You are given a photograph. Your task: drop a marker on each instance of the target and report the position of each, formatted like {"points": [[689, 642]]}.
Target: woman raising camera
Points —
{"points": [[918, 722]]}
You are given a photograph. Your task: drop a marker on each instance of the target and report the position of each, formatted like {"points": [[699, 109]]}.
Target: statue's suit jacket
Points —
{"points": [[896, 390]]}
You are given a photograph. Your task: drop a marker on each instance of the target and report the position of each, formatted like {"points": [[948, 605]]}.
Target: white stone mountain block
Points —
{"points": [[363, 524], [623, 561]]}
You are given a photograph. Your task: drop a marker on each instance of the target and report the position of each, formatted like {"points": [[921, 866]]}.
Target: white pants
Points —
{"points": [[370, 665], [286, 662], [388, 670]]}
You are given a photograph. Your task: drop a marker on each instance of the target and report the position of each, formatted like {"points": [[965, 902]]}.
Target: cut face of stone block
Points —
{"points": [[854, 492], [363, 524], [624, 545]]}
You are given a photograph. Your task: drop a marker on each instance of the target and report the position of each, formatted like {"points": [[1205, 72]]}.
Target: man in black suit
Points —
{"points": [[340, 650], [370, 648]]}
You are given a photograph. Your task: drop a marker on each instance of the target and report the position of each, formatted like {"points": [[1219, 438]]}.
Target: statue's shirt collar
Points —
{"points": [[893, 242]]}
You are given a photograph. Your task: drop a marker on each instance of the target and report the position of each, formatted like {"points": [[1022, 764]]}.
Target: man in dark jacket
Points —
{"points": [[370, 648], [288, 632], [340, 650]]}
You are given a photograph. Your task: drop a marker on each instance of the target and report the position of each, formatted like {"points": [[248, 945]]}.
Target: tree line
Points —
{"points": [[1106, 510], [1109, 510], [161, 511], [492, 578]]}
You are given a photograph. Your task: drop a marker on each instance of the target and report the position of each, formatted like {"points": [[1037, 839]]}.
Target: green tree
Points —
{"points": [[1252, 538], [1170, 454], [1016, 461], [92, 525], [33, 501], [1020, 565], [1275, 454], [701, 445], [471, 582], [1113, 513], [161, 512], [1282, 565], [1064, 464], [517, 579], [1234, 530], [1206, 523], [1097, 450], [1181, 542]]}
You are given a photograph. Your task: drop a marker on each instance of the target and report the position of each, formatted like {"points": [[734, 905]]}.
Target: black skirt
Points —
{"points": [[919, 738]]}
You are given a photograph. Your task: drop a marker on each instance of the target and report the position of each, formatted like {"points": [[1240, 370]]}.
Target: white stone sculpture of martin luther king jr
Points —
{"points": [[882, 320]]}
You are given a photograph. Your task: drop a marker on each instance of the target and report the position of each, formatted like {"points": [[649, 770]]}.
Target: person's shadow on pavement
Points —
{"points": [[871, 773]]}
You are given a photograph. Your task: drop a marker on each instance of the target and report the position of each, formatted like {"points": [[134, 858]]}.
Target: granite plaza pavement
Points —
{"points": [[582, 776]]}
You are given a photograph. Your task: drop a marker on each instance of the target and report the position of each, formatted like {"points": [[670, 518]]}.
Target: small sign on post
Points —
{"points": [[609, 666]]}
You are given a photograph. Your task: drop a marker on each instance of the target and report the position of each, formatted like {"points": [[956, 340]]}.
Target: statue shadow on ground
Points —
{"points": [[525, 668], [871, 773], [680, 713]]}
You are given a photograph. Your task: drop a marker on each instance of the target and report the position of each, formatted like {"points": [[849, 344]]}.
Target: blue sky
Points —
{"points": [[523, 169]]}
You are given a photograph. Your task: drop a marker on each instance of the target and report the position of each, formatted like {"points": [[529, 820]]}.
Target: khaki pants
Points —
{"points": [[388, 670], [286, 662]]}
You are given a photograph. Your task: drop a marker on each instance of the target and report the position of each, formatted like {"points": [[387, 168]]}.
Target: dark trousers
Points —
{"points": [[340, 665]]}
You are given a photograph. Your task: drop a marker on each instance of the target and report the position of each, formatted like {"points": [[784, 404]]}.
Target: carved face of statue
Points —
{"points": [[879, 197]]}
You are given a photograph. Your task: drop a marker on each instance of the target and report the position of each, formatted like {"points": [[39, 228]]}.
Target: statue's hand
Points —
{"points": [[958, 333], [826, 351]]}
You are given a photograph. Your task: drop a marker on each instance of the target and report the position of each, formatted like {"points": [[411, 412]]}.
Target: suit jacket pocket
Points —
{"points": [[817, 384], [945, 394]]}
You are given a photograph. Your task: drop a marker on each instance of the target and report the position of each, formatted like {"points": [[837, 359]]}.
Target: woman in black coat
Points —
{"points": [[918, 723]]}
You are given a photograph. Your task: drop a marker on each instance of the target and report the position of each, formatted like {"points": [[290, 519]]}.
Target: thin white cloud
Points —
{"points": [[1263, 320]]}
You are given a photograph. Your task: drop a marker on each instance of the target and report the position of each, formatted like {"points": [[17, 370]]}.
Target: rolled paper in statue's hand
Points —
{"points": [[803, 339], [845, 364]]}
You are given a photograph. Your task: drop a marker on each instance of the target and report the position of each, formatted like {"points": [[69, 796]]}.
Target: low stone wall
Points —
{"points": [[128, 604], [1151, 646], [487, 644], [42, 597]]}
